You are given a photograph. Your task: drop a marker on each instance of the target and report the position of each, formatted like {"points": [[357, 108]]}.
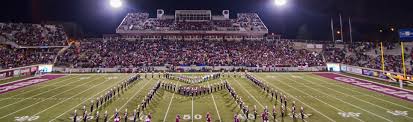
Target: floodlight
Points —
{"points": [[280, 2], [115, 3]]}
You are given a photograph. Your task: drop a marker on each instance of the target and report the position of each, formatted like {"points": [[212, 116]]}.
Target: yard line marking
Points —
{"points": [[315, 97], [298, 100], [44, 100], [356, 98], [86, 100], [169, 106], [192, 114], [344, 101], [367, 94], [73, 96], [132, 97], [248, 93], [215, 104], [41, 93], [40, 87]]}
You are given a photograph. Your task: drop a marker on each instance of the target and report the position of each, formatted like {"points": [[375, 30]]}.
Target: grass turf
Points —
{"points": [[324, 99]]}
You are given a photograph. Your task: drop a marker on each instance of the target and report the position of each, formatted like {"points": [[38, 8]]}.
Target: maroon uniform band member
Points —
{"points": [[208, 117], [177, 118], [264, 117], [85, 116], [97, 116], [302, 113], [125, 115], [75, 116], [105, 116], [236, 119], [274, 112], [282, 111]]}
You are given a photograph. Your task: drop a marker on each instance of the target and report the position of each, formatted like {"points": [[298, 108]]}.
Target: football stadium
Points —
{"points": [[176, 64]]}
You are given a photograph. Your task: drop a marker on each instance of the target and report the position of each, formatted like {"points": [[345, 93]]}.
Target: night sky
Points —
{"points": [[308, 19]]}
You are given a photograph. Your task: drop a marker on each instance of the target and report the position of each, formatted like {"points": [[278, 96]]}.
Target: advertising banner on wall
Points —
{"points": [[46, 68], [333, 67], [6, 74], [353, 69], [16, 72], [33, 69]]}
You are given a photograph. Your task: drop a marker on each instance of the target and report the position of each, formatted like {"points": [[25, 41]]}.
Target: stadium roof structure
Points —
{"points": [[193, 22]]}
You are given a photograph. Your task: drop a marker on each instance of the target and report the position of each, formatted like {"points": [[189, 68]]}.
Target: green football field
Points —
{"points": [[323, 99]]}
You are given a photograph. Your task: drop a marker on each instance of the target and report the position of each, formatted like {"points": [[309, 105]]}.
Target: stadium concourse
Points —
{"points": [[193, 66]]}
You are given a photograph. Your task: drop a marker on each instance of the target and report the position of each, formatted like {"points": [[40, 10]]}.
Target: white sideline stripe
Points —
{"points": [[365, 93], [299, 100], [343, 101], [215, 104], [192, 114], [19, 79], [169, 106], [39, 87], [41, 93], [44, 100], [356, 98], [248, 92], [84, 101], [132, 97]]}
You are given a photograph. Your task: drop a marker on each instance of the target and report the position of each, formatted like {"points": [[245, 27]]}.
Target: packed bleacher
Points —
{"points": [[33, 34], [358, 55], [121, 53], [12, 57]]}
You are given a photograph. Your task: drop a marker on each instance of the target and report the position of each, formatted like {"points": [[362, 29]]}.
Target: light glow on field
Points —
{"points": [[280, 2], [115, 3]]}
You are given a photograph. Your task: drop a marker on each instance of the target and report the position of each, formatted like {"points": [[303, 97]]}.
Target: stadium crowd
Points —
{"points": [[34, 34], [11, 57], [356, 55], [121, 53]]}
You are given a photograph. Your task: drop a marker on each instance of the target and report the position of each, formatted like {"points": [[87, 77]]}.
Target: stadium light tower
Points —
{"points": [[280, 2], [115, 3]]}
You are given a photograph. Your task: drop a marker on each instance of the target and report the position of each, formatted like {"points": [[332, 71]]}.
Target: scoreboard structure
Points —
{"points": [[406, 34], [193, 15]]}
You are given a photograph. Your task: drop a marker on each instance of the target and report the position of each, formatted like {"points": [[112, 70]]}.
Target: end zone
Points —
{"points": [[377, 87], [26, 82]]}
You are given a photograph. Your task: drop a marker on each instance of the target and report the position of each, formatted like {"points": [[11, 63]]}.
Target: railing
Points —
{"points": [[191, 69]]}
